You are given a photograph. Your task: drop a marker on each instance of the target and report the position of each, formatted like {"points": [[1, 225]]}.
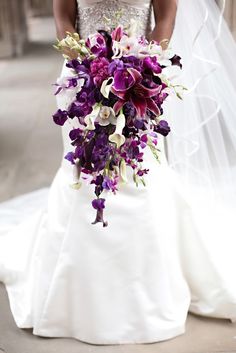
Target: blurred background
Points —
{"points": [[30, 144]]}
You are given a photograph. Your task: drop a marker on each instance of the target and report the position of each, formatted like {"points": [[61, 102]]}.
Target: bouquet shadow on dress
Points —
{"points": [[118, 84]]}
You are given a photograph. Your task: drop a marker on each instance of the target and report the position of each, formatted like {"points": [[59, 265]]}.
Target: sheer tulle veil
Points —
{"points": [[202, 145]]}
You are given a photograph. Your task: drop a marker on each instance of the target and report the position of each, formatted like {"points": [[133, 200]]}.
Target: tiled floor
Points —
{"points": [[30, 152]]}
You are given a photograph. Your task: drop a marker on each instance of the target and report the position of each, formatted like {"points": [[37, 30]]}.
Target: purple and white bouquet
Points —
{"points": [[117, 85]]}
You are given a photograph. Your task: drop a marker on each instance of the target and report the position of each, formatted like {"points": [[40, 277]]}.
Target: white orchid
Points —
{"points": [[126, 46], [106, 116], [117, 136]]}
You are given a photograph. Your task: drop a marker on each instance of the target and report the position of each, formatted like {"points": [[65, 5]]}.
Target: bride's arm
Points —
{"points": [[65, 16], [164, 13]]}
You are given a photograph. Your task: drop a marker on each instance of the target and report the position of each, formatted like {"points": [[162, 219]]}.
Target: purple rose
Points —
{"points": [[99, 70]]}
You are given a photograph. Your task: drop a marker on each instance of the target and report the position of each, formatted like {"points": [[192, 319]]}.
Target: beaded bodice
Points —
{"points": [[98, 14]]}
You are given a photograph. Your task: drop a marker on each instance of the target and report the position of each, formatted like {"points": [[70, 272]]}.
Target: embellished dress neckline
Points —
{"points": [[105, 12]]}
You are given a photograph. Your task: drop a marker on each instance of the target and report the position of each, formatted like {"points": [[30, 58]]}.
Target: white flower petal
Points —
{"points": [[106, 87], [117, 137], [89, 119], [123, 175]]}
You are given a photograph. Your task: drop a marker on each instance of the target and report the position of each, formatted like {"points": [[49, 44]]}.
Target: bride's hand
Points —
{"points": [[65, 16], [165, 13]]}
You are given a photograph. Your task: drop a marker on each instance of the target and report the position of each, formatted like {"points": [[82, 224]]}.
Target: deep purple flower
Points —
{"points": [[143, 140], [60, 117], [132, 61], [129, 110], [162, 128], [74, 64], [70, 157], [83, 104], [176, 61], [130, 151], [115, 65], [72, 82], [99, 180], [75, 133], [99, 205], [139, 124], [142, 172], [79, 152], [109, 184], [79, 110]]}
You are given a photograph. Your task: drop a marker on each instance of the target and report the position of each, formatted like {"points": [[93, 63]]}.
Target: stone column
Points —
{"points": [[13, 28], [40, 7]]}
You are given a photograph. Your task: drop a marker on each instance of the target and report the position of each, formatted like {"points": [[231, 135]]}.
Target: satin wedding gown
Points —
{"points": [[132, 282]]}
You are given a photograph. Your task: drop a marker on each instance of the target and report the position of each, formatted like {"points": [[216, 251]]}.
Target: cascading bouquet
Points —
{"points": [[118, 86]]}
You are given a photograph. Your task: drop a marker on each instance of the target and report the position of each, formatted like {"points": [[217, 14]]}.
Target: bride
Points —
{"points": [[169, 247]]}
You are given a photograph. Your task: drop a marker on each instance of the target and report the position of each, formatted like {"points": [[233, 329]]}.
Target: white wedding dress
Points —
{"points": [[164, 252]]}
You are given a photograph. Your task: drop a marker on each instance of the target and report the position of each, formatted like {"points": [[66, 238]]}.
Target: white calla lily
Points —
{"points": [[117, 50], [89, 119], [123, 175], [117, 136], [106, 87]]}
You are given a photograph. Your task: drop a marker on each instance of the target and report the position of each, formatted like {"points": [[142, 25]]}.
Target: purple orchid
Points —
{"points": [[128, 88], [162, 128], [115, 65], [151, 63], [110, 184], [70, 156]]}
